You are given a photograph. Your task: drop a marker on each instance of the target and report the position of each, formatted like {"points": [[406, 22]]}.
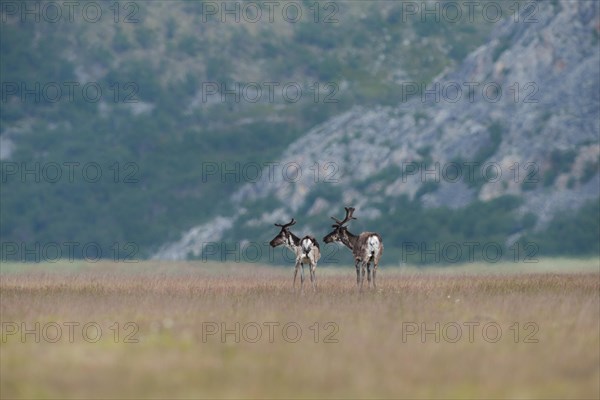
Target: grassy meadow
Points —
{"points": [[208, 330]]}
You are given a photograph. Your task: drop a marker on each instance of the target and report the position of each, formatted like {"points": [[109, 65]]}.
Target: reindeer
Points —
{"points": [[366, 247], [306, 250]]}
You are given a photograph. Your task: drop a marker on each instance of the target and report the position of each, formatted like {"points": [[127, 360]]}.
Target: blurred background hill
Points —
{"points": [[399, 94]]}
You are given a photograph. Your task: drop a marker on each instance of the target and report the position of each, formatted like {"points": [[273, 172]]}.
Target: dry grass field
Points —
{"points": [[197, 330]]}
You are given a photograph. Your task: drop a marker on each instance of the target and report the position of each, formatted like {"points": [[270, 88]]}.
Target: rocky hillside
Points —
{"points": [[513, 130], [156, 124]]}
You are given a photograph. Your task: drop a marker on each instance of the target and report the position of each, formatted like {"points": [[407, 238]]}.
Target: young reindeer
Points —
{"points": [[306, 250], [366, 247]]}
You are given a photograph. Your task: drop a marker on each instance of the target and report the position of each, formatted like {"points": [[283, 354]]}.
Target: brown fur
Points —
{"points": [[359, 246]]}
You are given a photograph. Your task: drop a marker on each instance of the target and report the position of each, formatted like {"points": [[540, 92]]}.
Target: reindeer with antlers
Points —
{"points": [[366, 247], [306, 250]]}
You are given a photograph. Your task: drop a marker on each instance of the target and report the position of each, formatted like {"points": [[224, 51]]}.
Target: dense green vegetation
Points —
{"points": [[417, 235], [571, 233]]}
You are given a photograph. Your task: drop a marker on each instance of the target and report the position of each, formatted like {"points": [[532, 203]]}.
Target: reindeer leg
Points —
{"points": [[369, 273], [302, 277], [295, 274], [313, 276], [374, 273], [362, 275], [357, 272]]}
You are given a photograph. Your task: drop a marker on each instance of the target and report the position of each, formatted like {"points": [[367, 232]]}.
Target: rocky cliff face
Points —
{"points": [[520, 116]]}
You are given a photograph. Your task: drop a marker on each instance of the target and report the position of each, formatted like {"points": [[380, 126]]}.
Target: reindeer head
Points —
{"points": [[284, 236], [339, 230]]}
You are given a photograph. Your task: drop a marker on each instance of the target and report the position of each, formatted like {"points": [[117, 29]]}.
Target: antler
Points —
{"points": [[285, 226], [349, 211]]}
